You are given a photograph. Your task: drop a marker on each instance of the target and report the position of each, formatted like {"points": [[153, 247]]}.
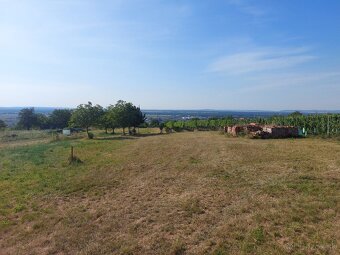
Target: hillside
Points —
{"points": [[181, 193]]}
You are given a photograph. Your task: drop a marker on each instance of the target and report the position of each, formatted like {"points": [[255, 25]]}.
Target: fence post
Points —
{"points": [[72, 153]]}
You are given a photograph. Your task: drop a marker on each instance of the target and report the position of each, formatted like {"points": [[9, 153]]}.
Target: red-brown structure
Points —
{"points": [[242, 129], [281, 131], [255, 130]]}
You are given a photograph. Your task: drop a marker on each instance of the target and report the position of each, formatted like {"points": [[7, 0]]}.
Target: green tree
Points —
{"points": [[86, 116], [138, 116], [112, 117], [108, 119], [295, 114], [60, 118], [156, 123], [120, 114], [161, 127], [126, 115], [3, 125], [27, 118], [42, 122]]}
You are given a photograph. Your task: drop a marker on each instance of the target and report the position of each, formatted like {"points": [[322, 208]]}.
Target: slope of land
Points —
{"points": [[182, 193]]}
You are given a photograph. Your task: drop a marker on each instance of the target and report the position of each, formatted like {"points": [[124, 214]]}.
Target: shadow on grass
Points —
{"points": [[127, 137], [115, 138], [146, 135]]}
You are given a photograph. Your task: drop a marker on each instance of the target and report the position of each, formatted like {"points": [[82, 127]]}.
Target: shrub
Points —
{"points": [[90, 135]]}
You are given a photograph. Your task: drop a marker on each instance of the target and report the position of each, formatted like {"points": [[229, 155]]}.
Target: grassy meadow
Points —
{"points": [[179, 193]]}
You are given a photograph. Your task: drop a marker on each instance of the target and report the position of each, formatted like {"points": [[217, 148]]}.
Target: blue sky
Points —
{"points": [[188, 54]]}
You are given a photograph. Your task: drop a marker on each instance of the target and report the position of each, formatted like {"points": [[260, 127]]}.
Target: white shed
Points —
{"points": [[67, 132]]}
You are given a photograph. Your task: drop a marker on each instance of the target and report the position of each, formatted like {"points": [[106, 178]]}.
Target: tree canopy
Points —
{"points": [[295, 114], [27, 118], [86, 116], [60, 118], [125, 115]]}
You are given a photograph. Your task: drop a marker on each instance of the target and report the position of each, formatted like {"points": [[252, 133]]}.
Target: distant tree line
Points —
{"points": [[121, 115]]}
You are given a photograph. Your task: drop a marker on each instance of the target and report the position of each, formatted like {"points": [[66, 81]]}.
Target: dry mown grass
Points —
{"points": [[184, 193]]}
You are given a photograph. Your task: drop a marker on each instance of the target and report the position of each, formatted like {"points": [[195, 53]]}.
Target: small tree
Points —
{"points": [[86, 116], [27, 118], [161, 127], [3, 125], [157, 124]]}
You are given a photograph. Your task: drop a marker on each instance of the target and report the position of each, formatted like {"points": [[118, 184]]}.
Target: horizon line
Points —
{"points": [[188, 109]]}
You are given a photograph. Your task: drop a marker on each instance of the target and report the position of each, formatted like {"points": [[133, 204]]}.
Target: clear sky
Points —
{"points": [[171, 54]]}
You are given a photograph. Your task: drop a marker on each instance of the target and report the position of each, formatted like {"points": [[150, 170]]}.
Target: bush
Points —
{"points": [[90, 135]]}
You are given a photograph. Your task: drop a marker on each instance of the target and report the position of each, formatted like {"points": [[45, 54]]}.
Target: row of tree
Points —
{"points": [[121, 115]]}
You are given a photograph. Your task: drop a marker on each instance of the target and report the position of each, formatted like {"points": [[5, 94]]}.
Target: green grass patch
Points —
{"points": [[29, 172]]}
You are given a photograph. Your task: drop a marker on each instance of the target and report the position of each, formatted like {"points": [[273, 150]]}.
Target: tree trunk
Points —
{"points": [[105, 130], [113, 130], [123, 130], [87, 132]]}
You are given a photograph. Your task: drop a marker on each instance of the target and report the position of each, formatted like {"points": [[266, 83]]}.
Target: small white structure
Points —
{"points": [[67, 132]]}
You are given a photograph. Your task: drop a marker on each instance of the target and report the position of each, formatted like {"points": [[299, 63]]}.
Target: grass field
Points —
{"points": [[181, 193]]}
